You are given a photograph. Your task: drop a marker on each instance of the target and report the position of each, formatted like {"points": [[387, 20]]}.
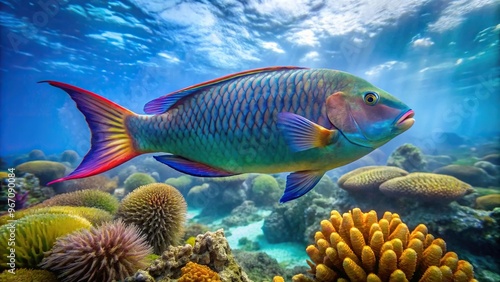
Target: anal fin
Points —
{"points": [[192, 168], [299, 183]]}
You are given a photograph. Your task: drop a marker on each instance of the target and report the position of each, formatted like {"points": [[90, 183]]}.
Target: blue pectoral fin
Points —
{"points": [[192, 168], [302, 134], [299, 183]]}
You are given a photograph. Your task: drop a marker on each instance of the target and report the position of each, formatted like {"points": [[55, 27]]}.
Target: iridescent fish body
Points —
{"points": [[266, 120]]}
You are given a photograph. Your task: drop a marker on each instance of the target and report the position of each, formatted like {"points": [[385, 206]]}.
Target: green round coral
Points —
{"points": [[34, 235], [94, 215], [31, 275], [84, 198], [182, 183], [265, 190], [137, 179], [110, 252], [46, 171], [159, 211]]}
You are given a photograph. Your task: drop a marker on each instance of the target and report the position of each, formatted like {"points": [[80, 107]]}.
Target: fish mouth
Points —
{"points": [[405, 121]]}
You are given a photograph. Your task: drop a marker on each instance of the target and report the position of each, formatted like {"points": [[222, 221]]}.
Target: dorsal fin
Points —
{"points": [[163, 103]]}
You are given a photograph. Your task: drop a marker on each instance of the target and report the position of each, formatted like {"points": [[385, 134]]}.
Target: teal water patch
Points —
{"points": [[287, 254], [192, 213]]}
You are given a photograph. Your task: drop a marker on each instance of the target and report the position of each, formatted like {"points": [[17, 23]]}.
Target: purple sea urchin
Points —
{"points": [[159, 211], [110, 252]]}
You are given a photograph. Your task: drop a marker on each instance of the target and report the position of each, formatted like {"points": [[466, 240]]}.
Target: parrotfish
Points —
{"points": [[267, 120]]}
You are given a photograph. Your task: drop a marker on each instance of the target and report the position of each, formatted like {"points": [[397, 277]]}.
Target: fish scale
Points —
{"points": [[242, 112]]}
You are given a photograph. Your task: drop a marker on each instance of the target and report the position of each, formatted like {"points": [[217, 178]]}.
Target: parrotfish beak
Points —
{"points": [[405, 121]]}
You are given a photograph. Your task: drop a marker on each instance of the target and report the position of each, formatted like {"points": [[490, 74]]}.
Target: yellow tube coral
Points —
{"points": [[362, 247]]}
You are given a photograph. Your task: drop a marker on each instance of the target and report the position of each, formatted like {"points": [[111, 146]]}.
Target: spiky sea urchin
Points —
{"points": [[159, 211], [110, 252]]}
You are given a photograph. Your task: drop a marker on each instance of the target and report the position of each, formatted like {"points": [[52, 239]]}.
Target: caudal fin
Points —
{"points": [[111, 144]]}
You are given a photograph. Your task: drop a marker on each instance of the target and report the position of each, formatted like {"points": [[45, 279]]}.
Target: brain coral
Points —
{"points": [[159, 211], [94, 215], [45, 170], [137, 179], [427, 187], [84, 198], [97, 182], [194, 272], [357, 246], [110, 252], [369, 178], [35, 234]]}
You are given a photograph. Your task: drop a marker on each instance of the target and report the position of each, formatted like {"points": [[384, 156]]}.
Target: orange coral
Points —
{"points": [[357, 246], [194, 272]]}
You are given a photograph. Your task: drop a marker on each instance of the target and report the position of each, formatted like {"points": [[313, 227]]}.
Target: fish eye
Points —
{"points": [[371, 98]]}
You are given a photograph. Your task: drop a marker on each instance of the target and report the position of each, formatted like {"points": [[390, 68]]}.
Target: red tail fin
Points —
{"points": [[111, 144]]}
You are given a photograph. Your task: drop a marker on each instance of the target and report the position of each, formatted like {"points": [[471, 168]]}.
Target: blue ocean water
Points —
{"points": [[441, 58]]}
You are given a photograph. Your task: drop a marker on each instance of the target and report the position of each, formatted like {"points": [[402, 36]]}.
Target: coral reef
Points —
{"points": [[218, 196], [28, 192], [492, 158], [35, 235], [37, 155], [182, 183], [110, 252], [243, 214], [490, 168], [368, 179], [470, 174], [84, 198], [265, 190], [137, 179], [258, 265], [488, 202], [325, 186], [408, 157], [361, 247], [28, 275], [94, 215], [96, 182], [159, 211], [46, 171], [70, 156], [194, 272], [210, 249], [299, 216], [435, 162], [427, 187], [192, 230]]}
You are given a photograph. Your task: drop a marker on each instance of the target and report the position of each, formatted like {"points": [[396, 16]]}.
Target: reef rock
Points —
{"points": [[210, 249], [259, 266], [46, 171], [492, 158], [435, 162], [470, 174], [490, 168], [409, 158]]}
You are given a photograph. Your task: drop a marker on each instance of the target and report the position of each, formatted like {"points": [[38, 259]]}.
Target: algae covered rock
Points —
{"points": [[259, 266], [137, 179], [159, 211], [470, 174], [428, 187], [46, 171], [34, 235], [408, 157]]}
